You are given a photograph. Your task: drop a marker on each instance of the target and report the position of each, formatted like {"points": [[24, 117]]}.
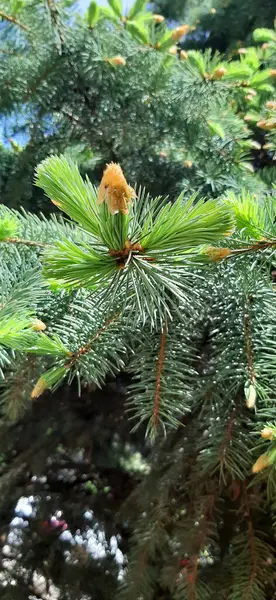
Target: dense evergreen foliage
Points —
{"points": [[154, 282], [221, 24]]}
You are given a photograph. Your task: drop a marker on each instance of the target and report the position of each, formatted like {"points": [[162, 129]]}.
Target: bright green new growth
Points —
{"points": [[180, 291], [147, 254]]}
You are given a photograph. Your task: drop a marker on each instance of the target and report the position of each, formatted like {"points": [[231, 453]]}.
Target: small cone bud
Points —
{"points": [[183, 55], [213, 11], [178, 32], [219, 72], [117, 61], [267, 433], [267, 125], [163, 154], [251, 397], [265, 46], [262, 124], [242, 51], [247, 118], [38, 325], [217, 254], [173, 50], [40, 387], [261, 464], [158, 18], [188, 164], [273, 72], [271, 104], [249, 97]]}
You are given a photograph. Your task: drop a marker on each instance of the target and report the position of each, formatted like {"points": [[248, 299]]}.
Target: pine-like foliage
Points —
{"points": [[116, 88], [219, 24], [176, 290]]}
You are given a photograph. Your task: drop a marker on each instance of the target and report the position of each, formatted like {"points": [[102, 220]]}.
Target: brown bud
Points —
{"points": [[219, 72], [163, 154], [178, 32], [271, 104], [267, 125], [117, 61], [242, 51], [114, 190], [267, 433], [213, 11], [183, 55], [265, 46], [216, 254], [273, 72], [173, 50], [56, 203], [262, 463], [40, 387], [188, 164], [158, 18], [38, 325]]}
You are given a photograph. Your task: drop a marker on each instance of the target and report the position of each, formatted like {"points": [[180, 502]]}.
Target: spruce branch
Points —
{"points": [[148, 249], [158, 379], [251, 541], [56, 23], [20, 241], [13, 20], [87, 347], [248, 342]]}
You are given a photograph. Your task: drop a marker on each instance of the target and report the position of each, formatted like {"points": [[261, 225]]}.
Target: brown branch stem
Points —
{"points": [[252, 545], [85, 349], [227, 439], [261, 245], [248, 345], [158, 377], [12, 20], [24, 242]]}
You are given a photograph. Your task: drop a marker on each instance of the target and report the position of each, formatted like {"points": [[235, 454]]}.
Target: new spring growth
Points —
{"points": [[267, 125], [250, 396], [40, 387], [183, 55], [117, 61], [173, 50], [216, 254], [219, 72], [38, 325], [261, 463], [158, 18], [178, 32], [114, 190], [267, 433]]}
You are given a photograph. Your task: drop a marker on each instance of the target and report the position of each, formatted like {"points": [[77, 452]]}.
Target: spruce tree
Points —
{"points": [[160, 266], [223, 25]]}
